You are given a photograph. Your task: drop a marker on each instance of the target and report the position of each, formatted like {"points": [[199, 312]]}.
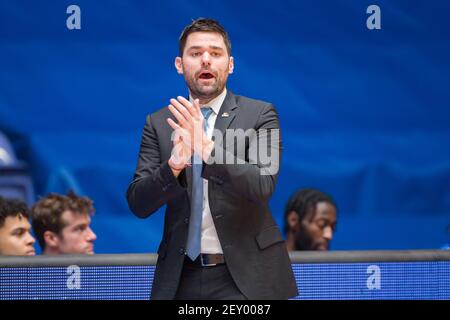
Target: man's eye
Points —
{"points": [[321, 224], [215, 54], [19, 233], [195, 54]]}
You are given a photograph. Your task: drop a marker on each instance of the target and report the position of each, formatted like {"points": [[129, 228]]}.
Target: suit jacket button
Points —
{"points": [[182, 251], [186, 220]]}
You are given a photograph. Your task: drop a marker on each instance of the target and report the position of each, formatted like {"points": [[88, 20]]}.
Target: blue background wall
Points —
{"points": [[364, 114]]}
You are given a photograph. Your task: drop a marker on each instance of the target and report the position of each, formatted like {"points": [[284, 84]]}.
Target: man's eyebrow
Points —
{"points": [[216, 48], [18, 229], [83, 224], [194, 47], [200, 47]]}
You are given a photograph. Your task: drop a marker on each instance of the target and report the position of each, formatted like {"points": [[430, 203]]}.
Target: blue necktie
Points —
{"points": [[195, 222]]}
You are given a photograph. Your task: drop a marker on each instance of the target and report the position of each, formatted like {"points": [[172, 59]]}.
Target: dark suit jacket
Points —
{"points": [[254, 249]]}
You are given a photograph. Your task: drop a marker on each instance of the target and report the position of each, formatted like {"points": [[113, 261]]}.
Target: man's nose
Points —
{"points": [[91, 235], [30, 239], [328, 233], [206, 58]]}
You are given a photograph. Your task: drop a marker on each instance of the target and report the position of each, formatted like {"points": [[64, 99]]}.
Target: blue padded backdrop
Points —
{"points": [[364, 113]]}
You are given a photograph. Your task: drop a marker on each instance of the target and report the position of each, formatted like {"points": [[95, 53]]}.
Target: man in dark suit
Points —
{"points": [[209, 159]]}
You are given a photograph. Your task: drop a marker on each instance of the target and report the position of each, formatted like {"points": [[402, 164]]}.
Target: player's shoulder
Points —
{"points": [[244, 101], [159, 115]]}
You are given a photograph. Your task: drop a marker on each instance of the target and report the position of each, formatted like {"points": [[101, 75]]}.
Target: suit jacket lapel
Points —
{"points": [[226, 114]]}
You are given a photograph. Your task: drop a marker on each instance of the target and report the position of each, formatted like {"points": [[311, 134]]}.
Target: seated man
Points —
{"points": [[61, 224], [310, 220], [15, 236]]}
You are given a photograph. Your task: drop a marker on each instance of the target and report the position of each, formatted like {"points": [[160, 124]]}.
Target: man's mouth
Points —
{"points": [[206, 75], [322, 246], [31, 253]]}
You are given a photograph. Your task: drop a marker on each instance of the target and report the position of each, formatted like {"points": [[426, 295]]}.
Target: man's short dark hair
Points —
{"points": [[304, 201], [205, 25], [12, 208], [47, 212]]}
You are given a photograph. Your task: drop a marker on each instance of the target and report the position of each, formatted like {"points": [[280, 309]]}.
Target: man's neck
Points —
{"points": [[205, 100], [50, 251], [290, 242]]}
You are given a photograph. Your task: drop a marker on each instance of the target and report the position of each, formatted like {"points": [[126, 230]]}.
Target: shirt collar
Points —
{"points": [[215, 103]]}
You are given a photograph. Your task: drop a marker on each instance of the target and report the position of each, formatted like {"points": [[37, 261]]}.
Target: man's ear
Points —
{"points": [[179, 65], [231, 65], [51, 239], [292, 225]]}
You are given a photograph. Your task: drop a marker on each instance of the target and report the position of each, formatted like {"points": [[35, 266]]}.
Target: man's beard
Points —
{"points": [[302, 242], [204, 92]]}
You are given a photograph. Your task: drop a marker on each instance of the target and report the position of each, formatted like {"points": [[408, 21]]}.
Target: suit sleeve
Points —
{"points": [[254, 178], [153, 183]]}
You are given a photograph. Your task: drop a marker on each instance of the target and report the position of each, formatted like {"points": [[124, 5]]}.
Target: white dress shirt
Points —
{"points": [[210, 241]]}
